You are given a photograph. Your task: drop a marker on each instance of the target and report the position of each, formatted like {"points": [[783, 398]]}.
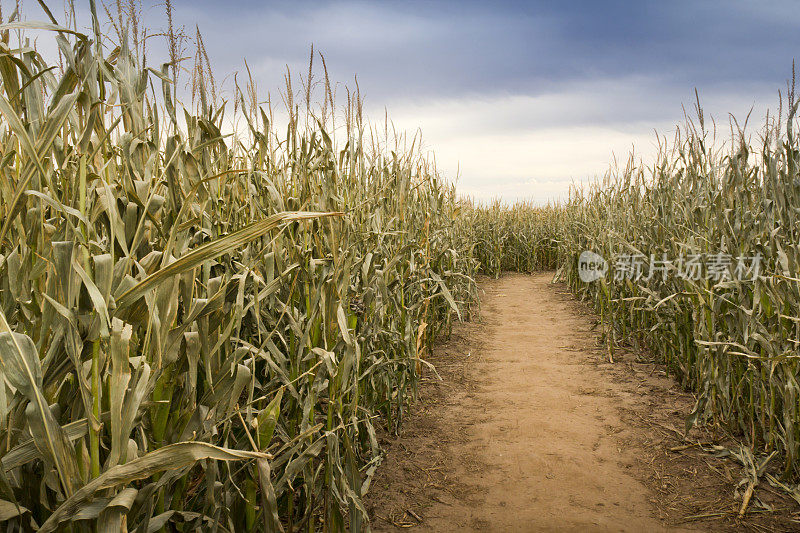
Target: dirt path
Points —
{"points": [[548, 424], [532, 429], [553, 428]]}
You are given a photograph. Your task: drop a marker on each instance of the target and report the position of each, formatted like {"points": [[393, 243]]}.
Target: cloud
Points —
{"points": [[534, 147], [421, 49], [520, 97]]}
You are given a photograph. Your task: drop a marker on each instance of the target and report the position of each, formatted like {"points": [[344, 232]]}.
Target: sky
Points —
{"points": [[517, 100]]}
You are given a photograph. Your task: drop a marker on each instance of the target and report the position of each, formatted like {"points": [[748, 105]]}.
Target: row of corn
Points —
{"points": [[702, 252], [201, 330]]}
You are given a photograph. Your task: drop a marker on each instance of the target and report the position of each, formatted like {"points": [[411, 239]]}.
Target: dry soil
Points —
{"points": [[532, 428]]}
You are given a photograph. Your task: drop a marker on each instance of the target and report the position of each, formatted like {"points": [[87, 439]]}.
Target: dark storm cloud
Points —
{"points": [[451, 49]]}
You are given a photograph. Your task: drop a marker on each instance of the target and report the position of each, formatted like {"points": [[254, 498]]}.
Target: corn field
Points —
{"points": [[201, 330], [521, 237], [206, 329], [732, 341]]}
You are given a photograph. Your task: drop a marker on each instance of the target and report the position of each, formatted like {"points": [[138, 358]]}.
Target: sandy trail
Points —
{"points": [[538, 443]]}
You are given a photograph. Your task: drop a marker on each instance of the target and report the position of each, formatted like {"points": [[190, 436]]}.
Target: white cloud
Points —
{"points": [[533, 147]]}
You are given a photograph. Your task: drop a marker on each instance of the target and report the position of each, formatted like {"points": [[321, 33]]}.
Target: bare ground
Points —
{"points": [[531, 428]]}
